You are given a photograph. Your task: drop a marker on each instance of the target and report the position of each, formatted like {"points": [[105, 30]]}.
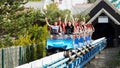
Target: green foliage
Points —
{"points": [[7, 41], [9, 21], [11, 2], [15, 19], [34, 52], [34, 0], [82, 16], [16, 22], [31, 53], [18, 26], [28, 54], [36, 38], [91, 1], [34, 35], [25, 27], [53, 12], [41, 51], [23, 40]]}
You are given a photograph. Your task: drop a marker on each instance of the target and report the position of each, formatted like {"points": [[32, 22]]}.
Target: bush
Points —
{"points": [[6, 41], [34, 35]]}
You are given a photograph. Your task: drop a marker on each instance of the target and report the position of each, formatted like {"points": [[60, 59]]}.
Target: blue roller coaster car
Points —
{"points": [[64, 44]]}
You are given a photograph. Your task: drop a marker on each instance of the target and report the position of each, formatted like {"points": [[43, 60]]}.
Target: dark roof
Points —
{"points": [[105, 1], [104, 6], [106, 13]]}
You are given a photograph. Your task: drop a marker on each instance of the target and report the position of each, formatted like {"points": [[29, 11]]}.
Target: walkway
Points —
{"points": [[107, 59]]}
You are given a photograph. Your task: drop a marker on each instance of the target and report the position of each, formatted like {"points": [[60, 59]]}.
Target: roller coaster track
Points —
{"points": [[78, 59]]}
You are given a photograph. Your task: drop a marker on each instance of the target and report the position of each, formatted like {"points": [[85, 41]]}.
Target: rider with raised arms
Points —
{"points": [[54, 28]]}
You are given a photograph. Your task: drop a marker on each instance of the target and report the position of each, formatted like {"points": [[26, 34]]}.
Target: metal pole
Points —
{"points": [[20, 56], [2, 58]]}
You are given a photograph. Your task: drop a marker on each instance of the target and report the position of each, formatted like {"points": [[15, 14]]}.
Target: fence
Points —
{"points": [[1, 58], [17, 55]]}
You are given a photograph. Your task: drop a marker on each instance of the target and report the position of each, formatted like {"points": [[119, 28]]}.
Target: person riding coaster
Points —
{"points": [[66, 37]]}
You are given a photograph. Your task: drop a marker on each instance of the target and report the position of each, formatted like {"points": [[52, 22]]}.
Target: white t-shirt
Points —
{"points": [[55, 28]]}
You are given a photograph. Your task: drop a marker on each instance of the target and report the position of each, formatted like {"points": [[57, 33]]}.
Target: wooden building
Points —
{"points": [[106, 20]]}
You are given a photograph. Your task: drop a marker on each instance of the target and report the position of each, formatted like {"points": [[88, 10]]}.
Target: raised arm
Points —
{"points": [[73, 21], [93, 28], [65, 21], [59, 19], [46, 19], [84, 19]]}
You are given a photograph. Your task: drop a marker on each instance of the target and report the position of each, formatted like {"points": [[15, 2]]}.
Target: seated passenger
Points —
{"points": [[54, 28], [90, 29], [69, 28], [62, 25], [76, 24]]}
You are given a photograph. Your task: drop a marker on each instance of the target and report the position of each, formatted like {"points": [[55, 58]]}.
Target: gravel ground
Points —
{"points": [[108, 58]]}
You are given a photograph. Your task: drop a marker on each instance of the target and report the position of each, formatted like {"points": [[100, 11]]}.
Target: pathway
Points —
{"points": [[106, 59]]}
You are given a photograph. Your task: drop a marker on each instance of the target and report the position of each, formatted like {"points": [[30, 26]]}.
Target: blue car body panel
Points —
{"points": [[81, 40], [67, 43], [60, 43]]}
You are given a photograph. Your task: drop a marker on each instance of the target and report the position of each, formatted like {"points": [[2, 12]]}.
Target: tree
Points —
{"points": [[17, 21], [112, 1], [8, 16], [53, 12], [34, 0], [91, 1]]}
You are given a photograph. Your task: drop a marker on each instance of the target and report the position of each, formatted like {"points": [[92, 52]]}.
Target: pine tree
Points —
{"points": [[9, 9]]}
